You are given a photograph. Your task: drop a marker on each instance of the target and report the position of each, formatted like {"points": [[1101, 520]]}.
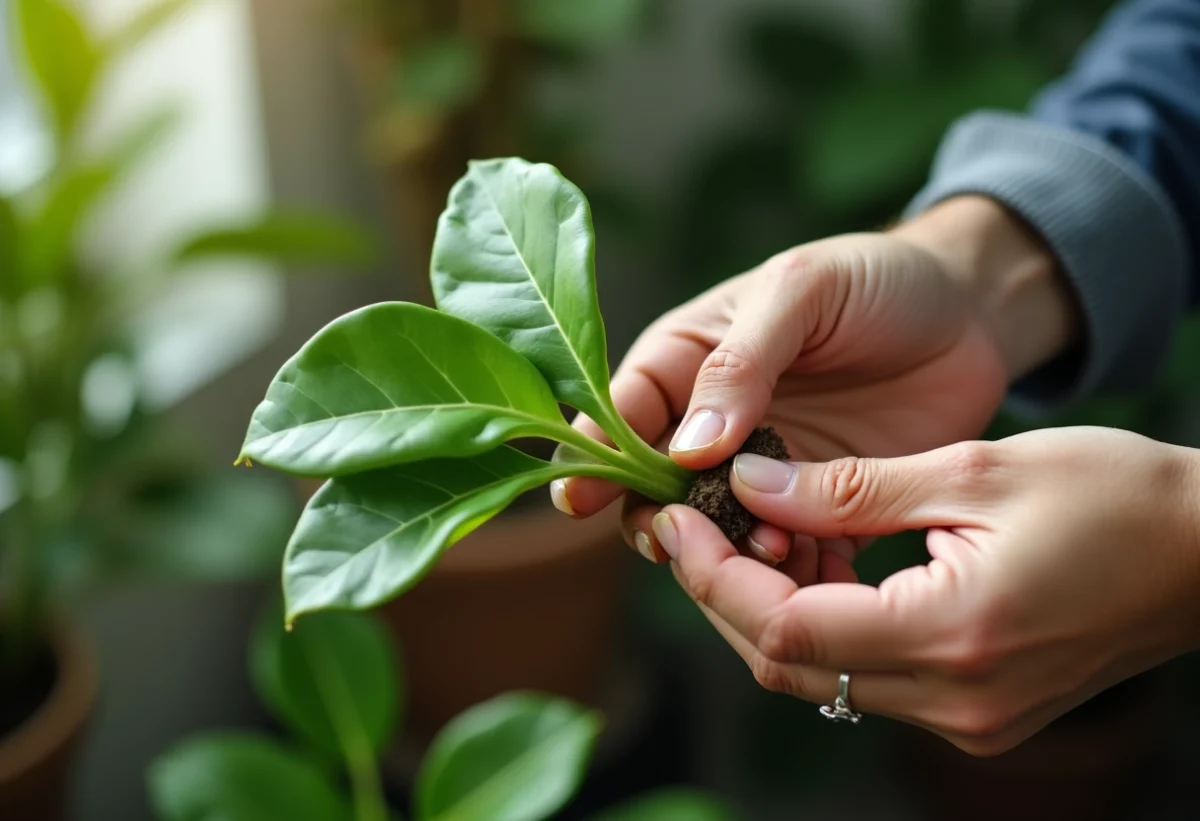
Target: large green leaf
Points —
{"points": [[332, 679], [579, 23], [514, 254], [518, 757], [670, 804], [366, 538], [142, 24], [285, 236], [227, 777], [62, 57], [395, 383]]}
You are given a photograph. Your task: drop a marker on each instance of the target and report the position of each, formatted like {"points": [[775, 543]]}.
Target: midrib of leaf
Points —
{"points": [[498, 410], [348, 725], [587, 377], [481, 794]]}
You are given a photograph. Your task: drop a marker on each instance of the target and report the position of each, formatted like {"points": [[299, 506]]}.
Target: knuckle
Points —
{"points": [[971, 464], [770, 675], [730, 366], [701, 586], [784, 640], [983, 747], [845, 487], [980, 722]]}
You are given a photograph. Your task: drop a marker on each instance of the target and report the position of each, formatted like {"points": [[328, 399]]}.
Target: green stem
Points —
{"points": [[357, 753], [659, 479]]}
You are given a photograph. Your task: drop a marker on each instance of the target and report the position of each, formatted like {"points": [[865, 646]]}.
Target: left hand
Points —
{"points": [[1063, 562]]}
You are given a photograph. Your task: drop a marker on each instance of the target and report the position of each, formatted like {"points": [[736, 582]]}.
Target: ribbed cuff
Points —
{"points": [[1114, 232]]}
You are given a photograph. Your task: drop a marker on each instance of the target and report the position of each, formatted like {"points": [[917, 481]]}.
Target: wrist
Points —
{"points": [[1187, 507], [1024, 300]]}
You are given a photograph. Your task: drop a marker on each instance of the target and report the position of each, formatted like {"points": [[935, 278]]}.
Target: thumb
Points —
{"points": [[774, 318], [855, 496]]}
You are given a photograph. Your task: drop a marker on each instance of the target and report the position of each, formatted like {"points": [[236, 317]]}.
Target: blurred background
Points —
{"points": [[191, 189]]}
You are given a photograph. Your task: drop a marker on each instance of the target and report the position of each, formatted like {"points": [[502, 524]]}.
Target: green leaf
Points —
{"points": [[207, 528], [518, 757], [670, 804], [143, 24], [579, 23], [49, 247], [444, 73], [63, 59], [514, 254], [366, 538], [285, 237], [395, 383], [228, 777], [333, 680]]}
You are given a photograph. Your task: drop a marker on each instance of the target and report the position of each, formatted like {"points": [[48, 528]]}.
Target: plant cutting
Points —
{"points": [[93, 483], [410, 411], [337, 687]]}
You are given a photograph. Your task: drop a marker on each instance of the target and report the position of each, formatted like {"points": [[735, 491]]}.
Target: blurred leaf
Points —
{"points": [[140, 139], [49, 247], [62, 58], [224, 527], [671, 804], [10, 235], [580, 22], [444, 74], [286, 237], [333, 680], [795, 57], [145, 22], [518, 757], [226, 777], [877, 139]]}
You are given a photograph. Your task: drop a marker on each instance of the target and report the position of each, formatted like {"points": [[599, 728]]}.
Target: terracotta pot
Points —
{"points": [[35, 758], [528, 601]]}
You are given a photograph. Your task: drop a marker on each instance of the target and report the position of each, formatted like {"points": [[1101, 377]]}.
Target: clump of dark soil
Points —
{"points": [[712, 495]]}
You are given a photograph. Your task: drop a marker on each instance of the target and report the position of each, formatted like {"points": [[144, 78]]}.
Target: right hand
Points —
{"points": [[861, 345]]}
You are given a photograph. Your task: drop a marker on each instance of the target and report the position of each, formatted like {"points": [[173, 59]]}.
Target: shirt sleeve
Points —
{"points": [[1106, 168]]}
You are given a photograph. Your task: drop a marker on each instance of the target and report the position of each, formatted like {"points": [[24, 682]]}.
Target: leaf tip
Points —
{"points": [[243, 461]]}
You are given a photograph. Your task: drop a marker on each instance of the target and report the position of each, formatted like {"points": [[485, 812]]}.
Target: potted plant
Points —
{"points": [[92, 480], [335, 684]]}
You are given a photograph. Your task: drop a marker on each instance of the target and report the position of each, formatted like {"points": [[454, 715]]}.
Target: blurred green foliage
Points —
{"points": [[91, 481]]}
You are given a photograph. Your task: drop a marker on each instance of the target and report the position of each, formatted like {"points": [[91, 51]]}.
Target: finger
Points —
{"points": [[835, 626], [855, 496], [733, 386], [895, 695], [650, 391], [766, 543]]}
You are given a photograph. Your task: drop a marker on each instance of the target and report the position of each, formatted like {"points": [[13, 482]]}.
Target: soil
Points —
{"points": [[22, 693], [712, 495]]}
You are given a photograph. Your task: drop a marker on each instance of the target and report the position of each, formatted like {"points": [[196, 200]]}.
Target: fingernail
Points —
{"points": [[702, 429], [664, 529], [642, 542], [558, 495], [763, 474], [761, 553]]}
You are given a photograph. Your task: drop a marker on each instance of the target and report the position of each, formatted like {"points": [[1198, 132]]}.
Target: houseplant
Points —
{"points": [[335, 684], [93, 482]]}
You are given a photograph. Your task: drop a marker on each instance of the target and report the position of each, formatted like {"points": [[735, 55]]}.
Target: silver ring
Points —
{"points": [[840, 710]]}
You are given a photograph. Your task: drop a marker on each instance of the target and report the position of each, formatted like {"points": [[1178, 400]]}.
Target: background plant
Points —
{"points": [[92, 481], [336, 686]]}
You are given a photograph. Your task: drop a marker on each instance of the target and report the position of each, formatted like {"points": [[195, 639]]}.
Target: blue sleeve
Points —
{"points": [[1106, 167], [1136, 86]]}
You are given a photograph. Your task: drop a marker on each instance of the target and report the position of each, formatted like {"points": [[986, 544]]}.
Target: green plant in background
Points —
{"points": [[335, 685], [91, 482], [408, 409]]}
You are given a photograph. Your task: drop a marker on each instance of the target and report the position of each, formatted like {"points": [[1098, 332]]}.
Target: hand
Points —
{"points": [[1063, 561], [869, 344]]}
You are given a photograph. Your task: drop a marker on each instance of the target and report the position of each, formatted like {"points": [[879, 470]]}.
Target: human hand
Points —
{"points": [[1063, 562], [867, 344]]}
